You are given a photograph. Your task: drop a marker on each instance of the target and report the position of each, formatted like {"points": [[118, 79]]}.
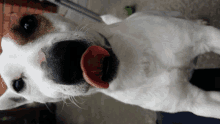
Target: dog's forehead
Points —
{"points": [[60, 23], [47, 23]]}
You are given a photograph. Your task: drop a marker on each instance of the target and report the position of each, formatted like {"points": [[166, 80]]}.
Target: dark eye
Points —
{"points": [[29, 24], [18, 84]]}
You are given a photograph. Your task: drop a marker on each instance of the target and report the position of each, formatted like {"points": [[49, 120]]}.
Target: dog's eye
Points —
{"points": [[18, 84], [29, 24]]}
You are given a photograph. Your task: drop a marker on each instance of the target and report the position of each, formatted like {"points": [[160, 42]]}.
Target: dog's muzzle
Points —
{"points": [[62, 63], [75, 61]]}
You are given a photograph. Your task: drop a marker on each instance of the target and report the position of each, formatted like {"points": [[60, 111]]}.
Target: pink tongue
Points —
{"points": [[91, 65]]}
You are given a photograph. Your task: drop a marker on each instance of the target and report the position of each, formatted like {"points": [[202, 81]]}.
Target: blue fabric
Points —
{"points": [[185, 118]]}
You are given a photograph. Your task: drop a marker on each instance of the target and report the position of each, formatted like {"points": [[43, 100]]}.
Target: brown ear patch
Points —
{"points": [[3, 86], [17, 32]]}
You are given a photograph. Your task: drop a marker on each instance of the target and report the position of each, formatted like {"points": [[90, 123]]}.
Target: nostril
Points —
{"points": [[3, 86]]}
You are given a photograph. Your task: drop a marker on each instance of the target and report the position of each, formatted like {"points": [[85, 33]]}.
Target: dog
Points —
{"points": [[144, 60]]}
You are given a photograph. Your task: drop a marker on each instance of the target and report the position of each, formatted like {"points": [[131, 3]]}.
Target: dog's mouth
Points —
{"points": [[74, 62], [99, 65], [94, 63]]}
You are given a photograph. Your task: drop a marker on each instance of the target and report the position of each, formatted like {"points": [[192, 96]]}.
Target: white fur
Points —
{"points": [[155, 53], [110, 19]]}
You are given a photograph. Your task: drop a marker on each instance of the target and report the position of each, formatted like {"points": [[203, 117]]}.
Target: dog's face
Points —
{"points": [[40, 61]]}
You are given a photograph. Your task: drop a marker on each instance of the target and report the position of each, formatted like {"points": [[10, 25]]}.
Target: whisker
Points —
{"points": [[72, 100], [62, 105], [48, 108]]}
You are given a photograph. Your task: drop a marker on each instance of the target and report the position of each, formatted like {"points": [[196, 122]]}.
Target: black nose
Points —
{"points": [[63, 61]]}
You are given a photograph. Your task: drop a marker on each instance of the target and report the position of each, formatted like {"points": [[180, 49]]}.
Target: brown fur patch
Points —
{"points": [[44, 27]]}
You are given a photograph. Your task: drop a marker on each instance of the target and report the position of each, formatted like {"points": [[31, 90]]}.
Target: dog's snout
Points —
{"points": [[63, 61]]}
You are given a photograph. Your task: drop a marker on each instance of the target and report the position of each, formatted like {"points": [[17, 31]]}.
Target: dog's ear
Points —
{"points": [[3, 86], [110, 19]]}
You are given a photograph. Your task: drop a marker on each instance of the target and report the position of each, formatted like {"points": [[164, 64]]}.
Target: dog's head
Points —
{"points": [[42, 61]]}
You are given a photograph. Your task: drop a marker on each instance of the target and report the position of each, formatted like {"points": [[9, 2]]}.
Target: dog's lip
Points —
{"points": [[110, 66], [99, 65], [92, 66], [105, 67]]}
